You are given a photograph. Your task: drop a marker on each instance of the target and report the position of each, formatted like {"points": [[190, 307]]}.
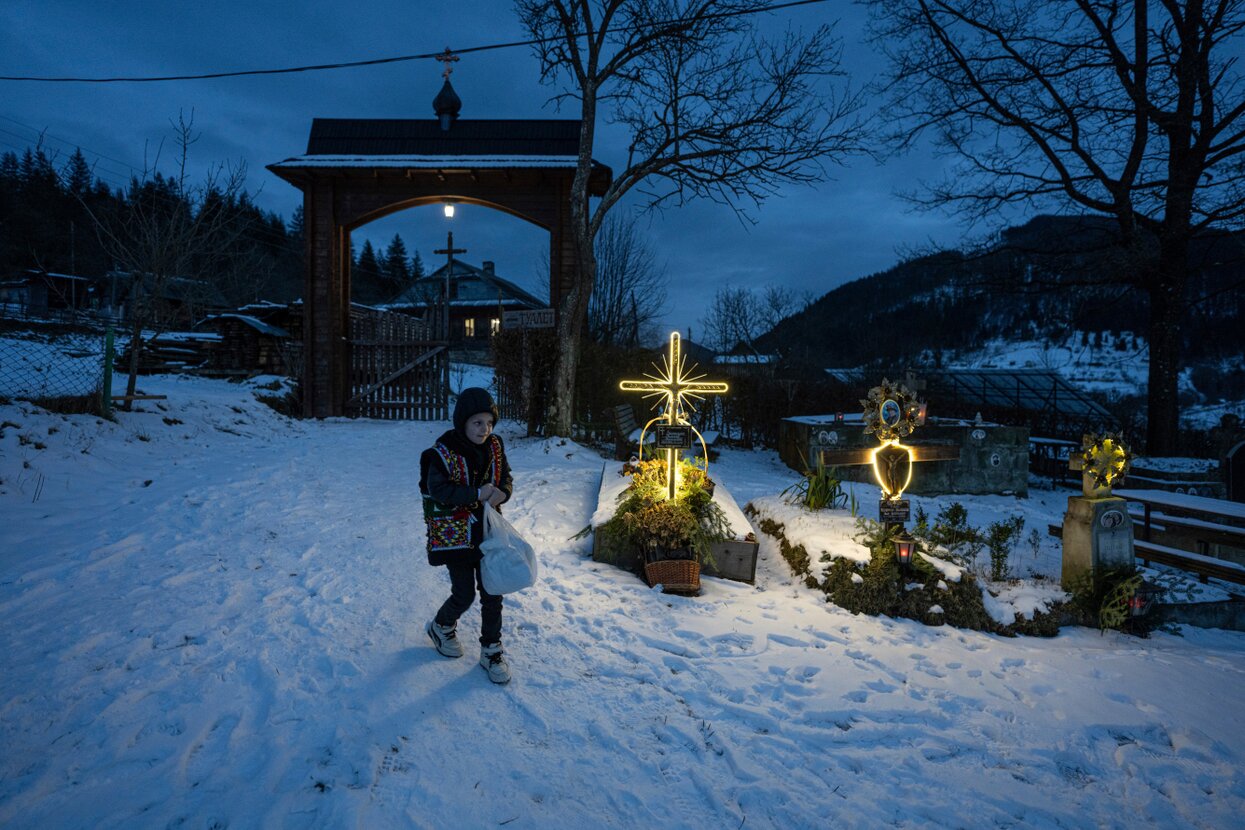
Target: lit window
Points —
{"points": [[469, 327], [494, 326]]}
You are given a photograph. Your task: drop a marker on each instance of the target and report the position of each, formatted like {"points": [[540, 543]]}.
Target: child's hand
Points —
{"points": [[486, 493], [497, 497]]}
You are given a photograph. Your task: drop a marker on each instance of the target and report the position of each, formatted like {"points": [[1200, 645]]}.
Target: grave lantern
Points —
{"points": [[1140, 602], [904, 547]]}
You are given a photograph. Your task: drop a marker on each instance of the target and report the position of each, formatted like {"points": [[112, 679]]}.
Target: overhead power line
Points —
{"points": [[320, 67]]}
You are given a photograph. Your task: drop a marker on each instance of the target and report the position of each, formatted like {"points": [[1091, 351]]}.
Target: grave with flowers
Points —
{"points": [[663, 517]]}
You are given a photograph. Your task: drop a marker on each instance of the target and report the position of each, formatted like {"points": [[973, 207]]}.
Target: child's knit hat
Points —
{"points": [[472, 401]]}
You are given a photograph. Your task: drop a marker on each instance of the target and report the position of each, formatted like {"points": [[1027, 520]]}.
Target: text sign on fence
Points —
{"points": [[672, 437], [535, 318]]}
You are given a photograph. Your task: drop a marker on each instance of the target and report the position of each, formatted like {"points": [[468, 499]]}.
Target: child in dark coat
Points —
{"points": [[465, 468]]}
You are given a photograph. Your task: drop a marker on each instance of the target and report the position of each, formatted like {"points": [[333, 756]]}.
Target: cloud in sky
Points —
{"points": [[810, 239]]}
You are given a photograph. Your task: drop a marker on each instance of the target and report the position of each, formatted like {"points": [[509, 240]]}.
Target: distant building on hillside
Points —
{"points": [[175, 301], [478, 299], [33, 290]]}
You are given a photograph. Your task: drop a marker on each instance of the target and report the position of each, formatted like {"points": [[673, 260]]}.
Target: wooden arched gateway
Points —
{"points": [[359, 170]]}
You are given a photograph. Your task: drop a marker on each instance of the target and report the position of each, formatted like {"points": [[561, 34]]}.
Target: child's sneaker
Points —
{"points": [[445, 638], [493, 659]]}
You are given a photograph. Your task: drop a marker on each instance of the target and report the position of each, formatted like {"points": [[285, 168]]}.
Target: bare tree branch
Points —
{"points": [[1123, 108], [713, 110], [166, 234]]}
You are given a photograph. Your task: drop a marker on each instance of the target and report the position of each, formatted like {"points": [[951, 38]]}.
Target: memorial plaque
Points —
{"points": [[672, 437], [894, 511]]}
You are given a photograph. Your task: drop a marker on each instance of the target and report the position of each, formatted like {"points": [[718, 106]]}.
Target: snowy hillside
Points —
{"points": [[1115, 365], [213, 616]]}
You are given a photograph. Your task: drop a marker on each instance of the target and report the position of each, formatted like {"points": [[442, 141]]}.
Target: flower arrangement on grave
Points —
{"points": [[1104, 460], [654, 528]]}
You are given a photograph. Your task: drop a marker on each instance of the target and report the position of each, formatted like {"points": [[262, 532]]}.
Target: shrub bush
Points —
{"points": [[880, 587]]}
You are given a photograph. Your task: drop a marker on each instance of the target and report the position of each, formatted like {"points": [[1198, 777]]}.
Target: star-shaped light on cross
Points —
{"points": [[674, 386]]}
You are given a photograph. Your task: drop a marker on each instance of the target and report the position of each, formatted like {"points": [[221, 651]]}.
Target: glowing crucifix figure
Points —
{"points": [[675, 387]]}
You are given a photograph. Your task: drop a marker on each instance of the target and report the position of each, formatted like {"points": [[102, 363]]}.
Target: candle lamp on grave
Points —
{"points": [[905, 545], [674, 387]]}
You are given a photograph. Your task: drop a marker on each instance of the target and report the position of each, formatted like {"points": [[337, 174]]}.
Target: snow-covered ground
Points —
{"points": [[213, 616]]}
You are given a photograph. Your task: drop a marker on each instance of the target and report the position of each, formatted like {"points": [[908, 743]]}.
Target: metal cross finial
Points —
{"points": [[447, 57]]}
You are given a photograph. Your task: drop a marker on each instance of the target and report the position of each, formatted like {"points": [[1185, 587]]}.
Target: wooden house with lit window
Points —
{"points": [[478, 299]]}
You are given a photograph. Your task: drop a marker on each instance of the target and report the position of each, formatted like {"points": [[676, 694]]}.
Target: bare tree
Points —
{"points": [[1086, 106], [713, 111], [630, 287], [739, 316], [165, 232]]}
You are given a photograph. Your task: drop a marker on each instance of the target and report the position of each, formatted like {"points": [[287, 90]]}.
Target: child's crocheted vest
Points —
{"points": [[449, 528]]}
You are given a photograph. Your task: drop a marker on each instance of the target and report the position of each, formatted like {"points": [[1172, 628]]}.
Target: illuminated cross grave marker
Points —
{"points": [[674, 386], [891, 412]]}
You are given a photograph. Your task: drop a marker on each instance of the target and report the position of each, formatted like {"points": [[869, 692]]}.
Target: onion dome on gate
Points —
{"points": [[446, 105]]}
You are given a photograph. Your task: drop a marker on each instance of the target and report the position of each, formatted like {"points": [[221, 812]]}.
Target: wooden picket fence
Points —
{"points": [[399, 367]]}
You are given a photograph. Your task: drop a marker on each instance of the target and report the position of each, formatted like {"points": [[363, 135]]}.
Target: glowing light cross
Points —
{"points": [[674, 386]]}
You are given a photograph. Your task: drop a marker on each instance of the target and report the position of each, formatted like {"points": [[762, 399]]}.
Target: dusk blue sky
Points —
{"points": [[809, 239]]}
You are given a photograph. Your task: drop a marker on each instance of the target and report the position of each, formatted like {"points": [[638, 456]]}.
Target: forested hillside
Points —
{"points": [[1042, 281], [51, 210]]}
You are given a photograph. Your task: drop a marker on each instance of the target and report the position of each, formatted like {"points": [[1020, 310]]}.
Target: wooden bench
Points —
{"points": [[1204, 566], [626, 431], [1202, 532], [1193, 523], [1200, 564], [627, 434]]}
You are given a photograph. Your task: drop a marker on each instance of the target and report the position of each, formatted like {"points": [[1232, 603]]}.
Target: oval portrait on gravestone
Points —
{"points": [[891, 412], [1111, 519]]}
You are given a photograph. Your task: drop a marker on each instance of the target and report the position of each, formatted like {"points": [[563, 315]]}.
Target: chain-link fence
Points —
{"points": [[61, 370]]}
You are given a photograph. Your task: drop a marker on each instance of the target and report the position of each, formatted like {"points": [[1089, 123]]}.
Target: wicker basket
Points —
{"points": [[676, 576]]}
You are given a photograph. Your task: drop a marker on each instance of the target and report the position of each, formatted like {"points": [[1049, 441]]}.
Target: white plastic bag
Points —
{"points": [[509, 563]]}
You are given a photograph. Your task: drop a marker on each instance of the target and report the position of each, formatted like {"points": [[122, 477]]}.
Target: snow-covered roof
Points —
{"points": [[263, 305], [746, 359], [58, 276], [187, 337], [254, 322], [427, 162], [427, 290], [846, 376], [826, 420]]}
